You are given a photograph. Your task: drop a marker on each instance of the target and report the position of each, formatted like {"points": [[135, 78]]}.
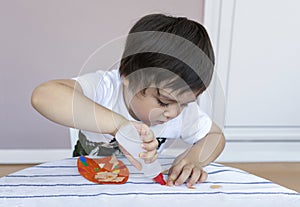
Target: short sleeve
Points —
{"points": [[195, 124], [99, 86]]}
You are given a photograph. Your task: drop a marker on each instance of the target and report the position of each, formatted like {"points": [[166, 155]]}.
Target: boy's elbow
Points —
{"points": [[222, 142], [38, 96], [215, 129]]}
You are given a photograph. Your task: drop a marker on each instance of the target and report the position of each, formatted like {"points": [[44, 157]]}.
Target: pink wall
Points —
{"points": [[43, 40]]}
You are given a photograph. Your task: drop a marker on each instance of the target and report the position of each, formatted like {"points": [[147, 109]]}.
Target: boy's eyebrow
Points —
{"points": [[165, 97], [170, 99]]}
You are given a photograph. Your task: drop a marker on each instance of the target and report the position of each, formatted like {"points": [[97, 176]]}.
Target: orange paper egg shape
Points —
{"points": [[107, 170]]}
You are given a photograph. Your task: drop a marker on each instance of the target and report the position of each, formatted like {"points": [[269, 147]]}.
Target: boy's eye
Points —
{"points": [[162, 103]]}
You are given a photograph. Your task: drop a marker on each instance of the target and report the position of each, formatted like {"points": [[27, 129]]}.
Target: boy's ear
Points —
{"points": [[125, 81]]}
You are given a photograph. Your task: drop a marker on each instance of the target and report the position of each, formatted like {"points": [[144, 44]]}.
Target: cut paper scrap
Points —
{"points": [[215, 186], [107, 170]]}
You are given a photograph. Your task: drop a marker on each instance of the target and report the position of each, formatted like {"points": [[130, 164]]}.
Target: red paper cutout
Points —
{"points": [[160, 179], [113, 171]]}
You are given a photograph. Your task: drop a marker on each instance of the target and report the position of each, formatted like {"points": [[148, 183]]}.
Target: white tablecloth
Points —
{"points": [[59, 184]]}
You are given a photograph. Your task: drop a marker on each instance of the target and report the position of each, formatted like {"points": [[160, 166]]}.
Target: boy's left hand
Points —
{"points": [[186, 168]]}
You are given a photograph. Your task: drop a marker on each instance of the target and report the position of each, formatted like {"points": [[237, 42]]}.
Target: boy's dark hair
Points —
{"points": [[164, 50]]}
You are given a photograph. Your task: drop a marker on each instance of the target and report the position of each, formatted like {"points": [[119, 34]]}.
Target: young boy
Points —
{"points": [[167, 62]]}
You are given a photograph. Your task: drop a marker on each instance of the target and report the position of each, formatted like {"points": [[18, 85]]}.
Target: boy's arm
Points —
{"points": [[189, 164], [63, 102], [210, 147]]}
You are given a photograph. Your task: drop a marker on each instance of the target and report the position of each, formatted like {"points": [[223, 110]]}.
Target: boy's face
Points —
{"points": [[157, 106]]}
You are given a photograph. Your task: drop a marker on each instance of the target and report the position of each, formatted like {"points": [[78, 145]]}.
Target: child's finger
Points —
{"points": [[203, 177], [139, 127], [195, 176], [174, 173], [145, 130], [148, 136], [149, 146], [153, 158], [184, 175], [149, 155]]}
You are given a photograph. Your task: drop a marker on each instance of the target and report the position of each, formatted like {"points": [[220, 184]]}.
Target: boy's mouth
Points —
{"points": [[157, 122]]}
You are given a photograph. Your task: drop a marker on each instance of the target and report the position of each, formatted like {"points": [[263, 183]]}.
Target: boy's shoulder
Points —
{"points": [[95, 79], [109, 79], [110, 74], [100, 85]]}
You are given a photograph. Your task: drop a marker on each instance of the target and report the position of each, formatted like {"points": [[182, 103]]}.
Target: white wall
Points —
{"points": [[257, 46], [42, 40]]}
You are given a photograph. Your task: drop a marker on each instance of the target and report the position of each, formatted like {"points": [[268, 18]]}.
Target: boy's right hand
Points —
{"points": [[149, 145]]}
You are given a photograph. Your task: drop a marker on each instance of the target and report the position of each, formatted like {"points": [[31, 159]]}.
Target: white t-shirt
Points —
{"points": [[106, 89]]}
